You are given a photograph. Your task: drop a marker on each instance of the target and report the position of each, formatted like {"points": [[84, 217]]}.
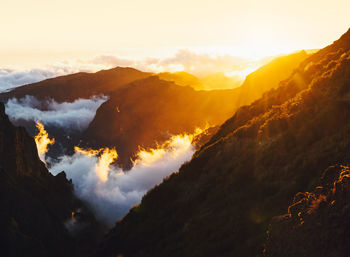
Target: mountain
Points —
{"points": [[317, 223], [80, 85], [210, 82], [149, 111], [220, 81], [68, 89], [39, 215], [268, 77], [182, 78], [222, 201]]}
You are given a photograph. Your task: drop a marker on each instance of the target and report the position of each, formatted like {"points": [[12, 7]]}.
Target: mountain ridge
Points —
{"points": [[221, 202]]}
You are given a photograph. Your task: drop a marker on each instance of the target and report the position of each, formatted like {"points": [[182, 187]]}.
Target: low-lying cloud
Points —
{"points": [[112, 199], [76, 115]]}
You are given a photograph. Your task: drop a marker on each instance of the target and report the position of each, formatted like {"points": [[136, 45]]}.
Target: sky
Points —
{"points": [[34, 31]]}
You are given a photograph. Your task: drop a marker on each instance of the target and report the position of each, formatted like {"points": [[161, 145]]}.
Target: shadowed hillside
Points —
{"points": [[80, 85], [151, 110], [221, 202], [317, 223], [39, 215]]}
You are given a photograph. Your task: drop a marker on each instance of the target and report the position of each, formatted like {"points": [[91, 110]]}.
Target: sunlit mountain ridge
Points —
{"points": [[151, 110], [222, 201]]}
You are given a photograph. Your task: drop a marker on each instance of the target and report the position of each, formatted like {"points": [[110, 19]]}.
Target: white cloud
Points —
{"points": [[112, 199], [198, 64], [14, 77], [76, 115]]}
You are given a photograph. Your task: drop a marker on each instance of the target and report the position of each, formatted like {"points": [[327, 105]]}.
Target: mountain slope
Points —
{"points": [[36, 213], [210, 82], [182, 78], [150, 114], [80, 85], [268, 77], [221, 202], [151, 110], [221, 81], [317, 223]]}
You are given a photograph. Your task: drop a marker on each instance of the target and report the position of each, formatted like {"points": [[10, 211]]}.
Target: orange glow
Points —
{"points": [[183, 141], [107, 156], [89, 152], [242, 74], [102, 167], [42, 140], [240, 28]]}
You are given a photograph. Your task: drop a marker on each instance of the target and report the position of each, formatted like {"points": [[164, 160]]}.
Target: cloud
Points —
{"points": [[112, 199], [11, 78], [75, 115], [199, 64]]}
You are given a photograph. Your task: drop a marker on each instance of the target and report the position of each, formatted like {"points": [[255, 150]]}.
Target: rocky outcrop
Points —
{"points": [[39, 215], [317, 223]]}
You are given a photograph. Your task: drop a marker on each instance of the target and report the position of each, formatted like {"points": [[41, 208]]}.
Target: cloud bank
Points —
{"points": [[11, 77], [198, 64], [76, 115], [112, 199]]}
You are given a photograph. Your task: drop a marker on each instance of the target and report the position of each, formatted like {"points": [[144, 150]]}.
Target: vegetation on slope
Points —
{"points": [[317, 223], [221, 202]]}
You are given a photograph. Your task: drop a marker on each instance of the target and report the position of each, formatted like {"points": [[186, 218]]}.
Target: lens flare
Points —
{"points": [[42, 140], [106, 157]]}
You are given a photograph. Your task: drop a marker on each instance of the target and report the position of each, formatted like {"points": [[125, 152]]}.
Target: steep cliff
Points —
{"points": [[39, 215]]}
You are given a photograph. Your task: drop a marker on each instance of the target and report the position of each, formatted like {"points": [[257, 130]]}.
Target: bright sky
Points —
{"points": [[45, 29]]}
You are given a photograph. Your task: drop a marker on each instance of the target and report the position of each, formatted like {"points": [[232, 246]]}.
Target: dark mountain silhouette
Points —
{"points": [[39, 215], [67, 89], [80, 85], [151, 110], [221, 202], [317, 223]]}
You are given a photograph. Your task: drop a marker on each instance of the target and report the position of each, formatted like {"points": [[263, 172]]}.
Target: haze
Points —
{"points": [[33, 31]]}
